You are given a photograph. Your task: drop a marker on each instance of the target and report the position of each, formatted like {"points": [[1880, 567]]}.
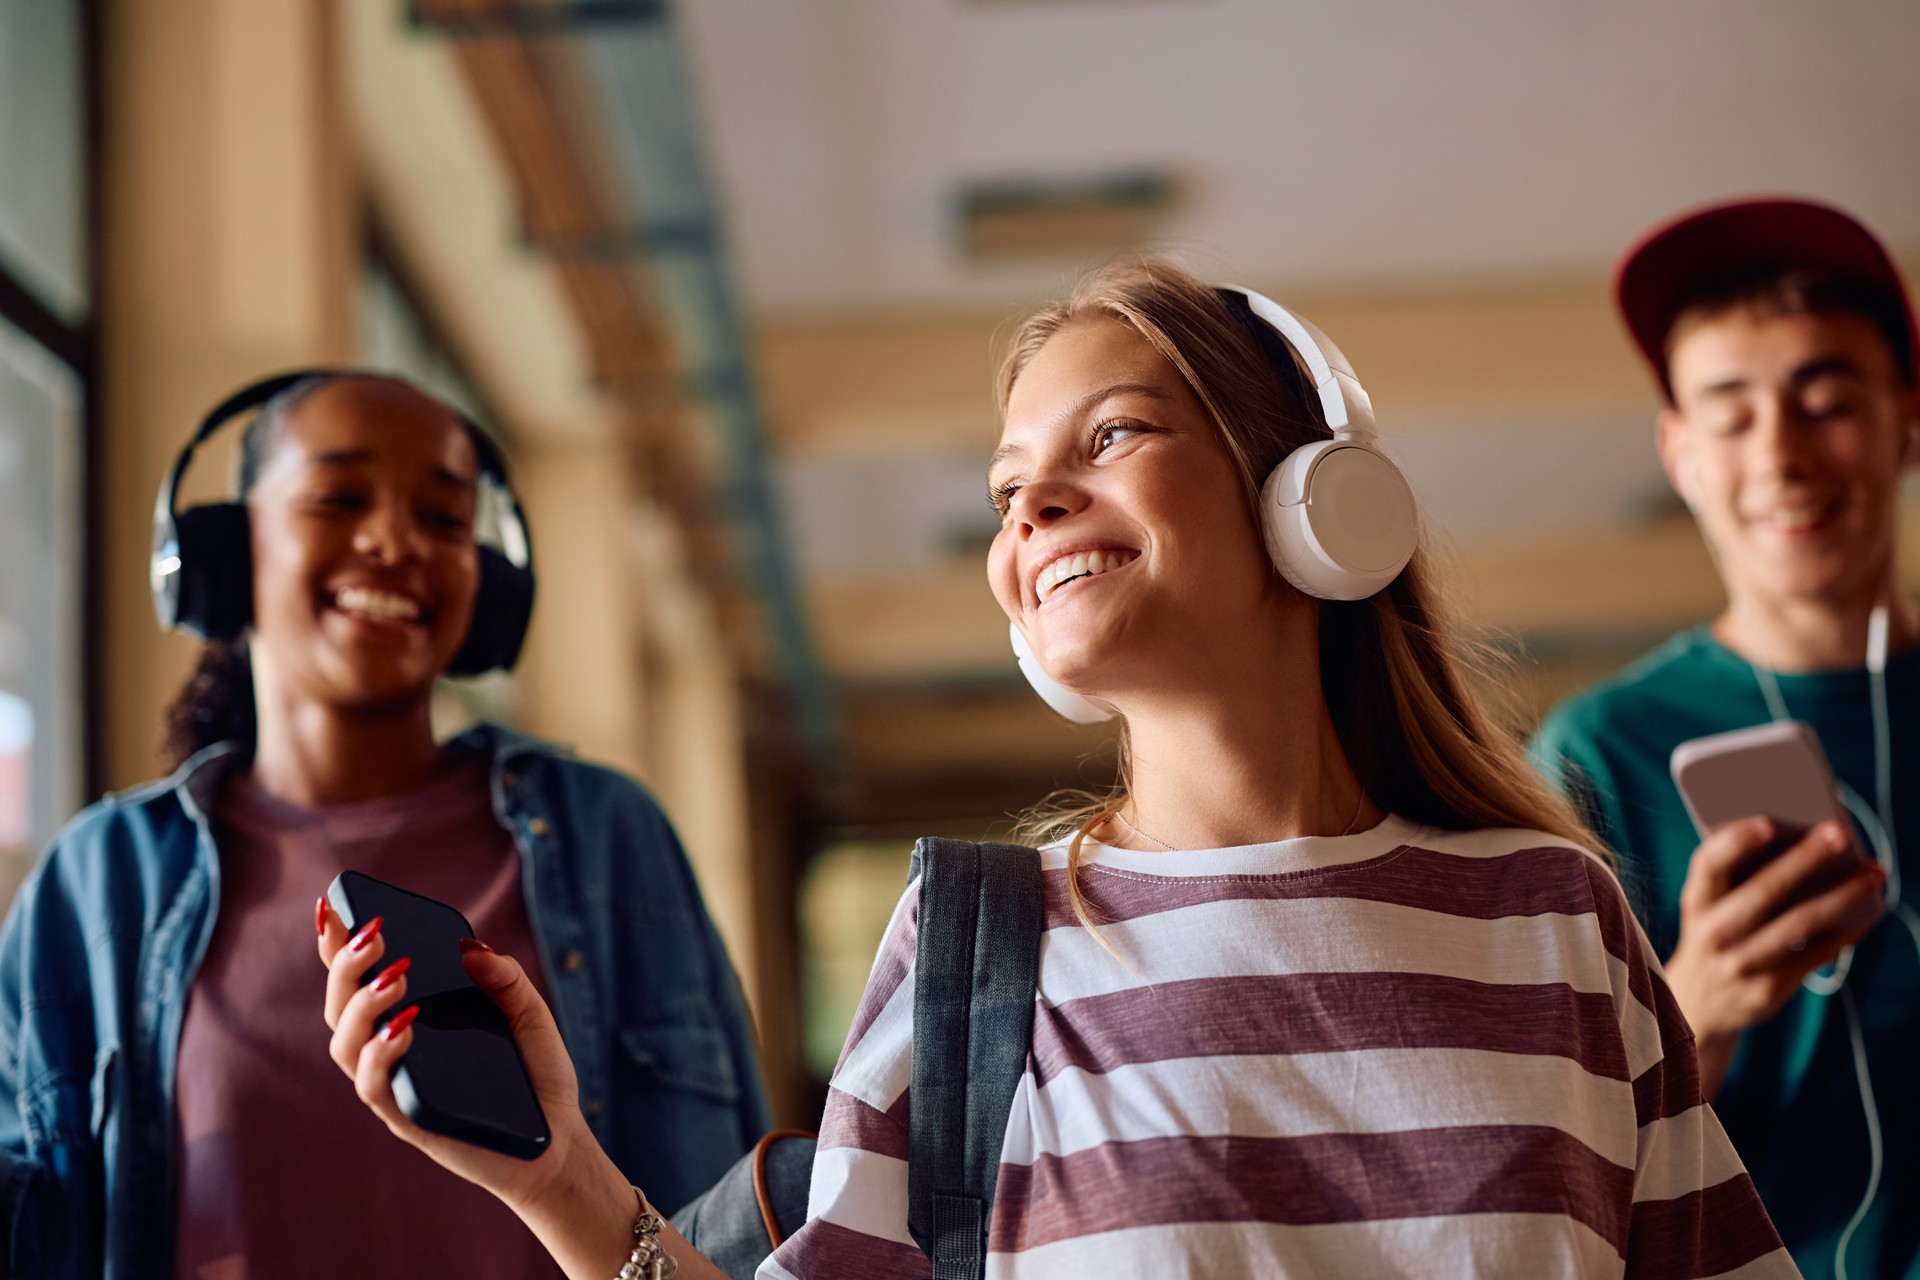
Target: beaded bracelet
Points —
{"points": [[648, 1261]]}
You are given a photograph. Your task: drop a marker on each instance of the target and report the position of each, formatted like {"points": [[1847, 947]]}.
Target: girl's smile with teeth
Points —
{"points": [[366, 568], [376, 605], [1063, 569]]}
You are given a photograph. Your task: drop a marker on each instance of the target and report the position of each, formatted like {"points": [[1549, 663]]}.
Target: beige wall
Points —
{"points": [[695, 731], [228, 234], [624, 665], [579, 677]]}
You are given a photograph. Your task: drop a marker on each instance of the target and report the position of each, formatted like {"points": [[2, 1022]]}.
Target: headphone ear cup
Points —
{"points": [[1074, 706], [1339, 519], [501, 610], [212, 588]]}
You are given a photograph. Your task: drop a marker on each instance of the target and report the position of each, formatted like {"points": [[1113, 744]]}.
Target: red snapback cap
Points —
{"points": [[1661, 275]]}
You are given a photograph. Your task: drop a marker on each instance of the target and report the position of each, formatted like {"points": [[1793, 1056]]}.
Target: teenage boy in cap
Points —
{"points": [[1785, 349]]}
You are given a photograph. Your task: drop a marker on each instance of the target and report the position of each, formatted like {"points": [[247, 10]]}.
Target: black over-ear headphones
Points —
{"points": [[201, 572]]}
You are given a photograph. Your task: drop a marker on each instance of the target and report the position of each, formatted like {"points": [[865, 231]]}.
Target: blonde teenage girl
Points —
{"points": [[1330, 984]]}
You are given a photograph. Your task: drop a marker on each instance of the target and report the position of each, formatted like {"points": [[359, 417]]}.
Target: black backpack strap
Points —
{"points": [[976, 961]]}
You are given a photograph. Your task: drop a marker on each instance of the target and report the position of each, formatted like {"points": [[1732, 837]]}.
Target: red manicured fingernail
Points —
{"points": [[400, 1022], [320, 917], [366, 935], [470, 945], [391, 974]]}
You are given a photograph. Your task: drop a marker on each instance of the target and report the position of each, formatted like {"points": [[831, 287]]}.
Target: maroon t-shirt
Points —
{"points": [[283, 1173]]}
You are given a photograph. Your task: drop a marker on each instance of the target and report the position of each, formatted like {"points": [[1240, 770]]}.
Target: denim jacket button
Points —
{"points": [[538, 826], [572, 961], [592, 1108]]}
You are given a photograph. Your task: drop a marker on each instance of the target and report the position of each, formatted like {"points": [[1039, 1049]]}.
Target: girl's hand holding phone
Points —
{"points": [[572, 1197]]}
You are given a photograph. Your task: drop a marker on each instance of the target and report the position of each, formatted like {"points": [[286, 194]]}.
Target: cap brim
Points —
{"points": [[1662, 275]]}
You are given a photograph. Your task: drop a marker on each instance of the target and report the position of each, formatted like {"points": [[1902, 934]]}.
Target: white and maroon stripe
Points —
{"points": [[1489, 1244], [1373, 937], [1317, 1178], [1311, 1093], [1224, 1017], [1522, 882], [828, 1249], [1468, 1062]]}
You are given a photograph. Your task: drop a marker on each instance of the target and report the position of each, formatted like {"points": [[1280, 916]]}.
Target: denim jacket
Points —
{"points": [[101, 947]]}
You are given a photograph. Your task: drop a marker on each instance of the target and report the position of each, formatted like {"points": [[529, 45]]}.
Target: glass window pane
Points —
{"points": [[43, 232], [40, 528]]}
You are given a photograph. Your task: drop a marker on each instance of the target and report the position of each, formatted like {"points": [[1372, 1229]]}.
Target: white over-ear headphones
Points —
{"points": [[1076, 707], [1337, 515]]}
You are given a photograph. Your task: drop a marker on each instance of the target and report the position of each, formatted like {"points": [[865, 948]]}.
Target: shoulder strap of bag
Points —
{"points": [[976, 960]]}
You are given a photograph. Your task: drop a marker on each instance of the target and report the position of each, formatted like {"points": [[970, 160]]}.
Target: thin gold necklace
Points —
{"points": [[1351, 823]]}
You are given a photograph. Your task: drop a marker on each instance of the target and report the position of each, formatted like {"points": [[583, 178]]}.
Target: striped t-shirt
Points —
{"points": [[1406, 1052]]}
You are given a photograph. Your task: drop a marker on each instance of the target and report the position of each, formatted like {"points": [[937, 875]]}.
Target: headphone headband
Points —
{"points": [[200, 571], [1333, 408], [493, 463], [165, 505], [1344, 403]]}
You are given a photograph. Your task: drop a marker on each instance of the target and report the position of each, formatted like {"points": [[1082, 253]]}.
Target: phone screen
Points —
{"points": [[463, 1076], [1776, 769]]}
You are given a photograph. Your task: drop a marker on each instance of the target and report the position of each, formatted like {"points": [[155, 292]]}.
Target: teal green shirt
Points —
{"points": [[1790, 1102]]}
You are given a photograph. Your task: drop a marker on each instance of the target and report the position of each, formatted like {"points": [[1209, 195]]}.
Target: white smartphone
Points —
{"points": [[1774, 769]]}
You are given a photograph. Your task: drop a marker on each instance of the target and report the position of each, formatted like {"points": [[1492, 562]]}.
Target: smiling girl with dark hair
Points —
{"points": [[172, 1110]]}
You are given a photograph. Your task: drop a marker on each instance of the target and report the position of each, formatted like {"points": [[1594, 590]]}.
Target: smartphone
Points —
{"points": [[463, 1077], [1774, 769]]}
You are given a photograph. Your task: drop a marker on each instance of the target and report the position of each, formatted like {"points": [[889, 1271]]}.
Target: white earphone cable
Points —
{"points": [[1876, 823], [1876, 1153], [1877, 626]]}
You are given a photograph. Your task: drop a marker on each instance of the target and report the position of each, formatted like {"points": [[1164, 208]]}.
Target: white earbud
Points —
{"points": [[1338, 517]]}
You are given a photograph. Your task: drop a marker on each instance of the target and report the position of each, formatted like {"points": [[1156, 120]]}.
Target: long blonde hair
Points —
{"points": [[1393, 668]]}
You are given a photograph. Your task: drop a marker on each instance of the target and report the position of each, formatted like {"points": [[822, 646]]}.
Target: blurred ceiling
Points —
{"points": [[1441, 186], [1311, 145]]}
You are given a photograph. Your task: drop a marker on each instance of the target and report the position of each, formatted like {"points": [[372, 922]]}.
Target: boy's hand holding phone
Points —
{"points": [[1747, 944], [1771, 895]]}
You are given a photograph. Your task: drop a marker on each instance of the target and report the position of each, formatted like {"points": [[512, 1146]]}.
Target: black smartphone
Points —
{"points": [[463, 1076]]}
